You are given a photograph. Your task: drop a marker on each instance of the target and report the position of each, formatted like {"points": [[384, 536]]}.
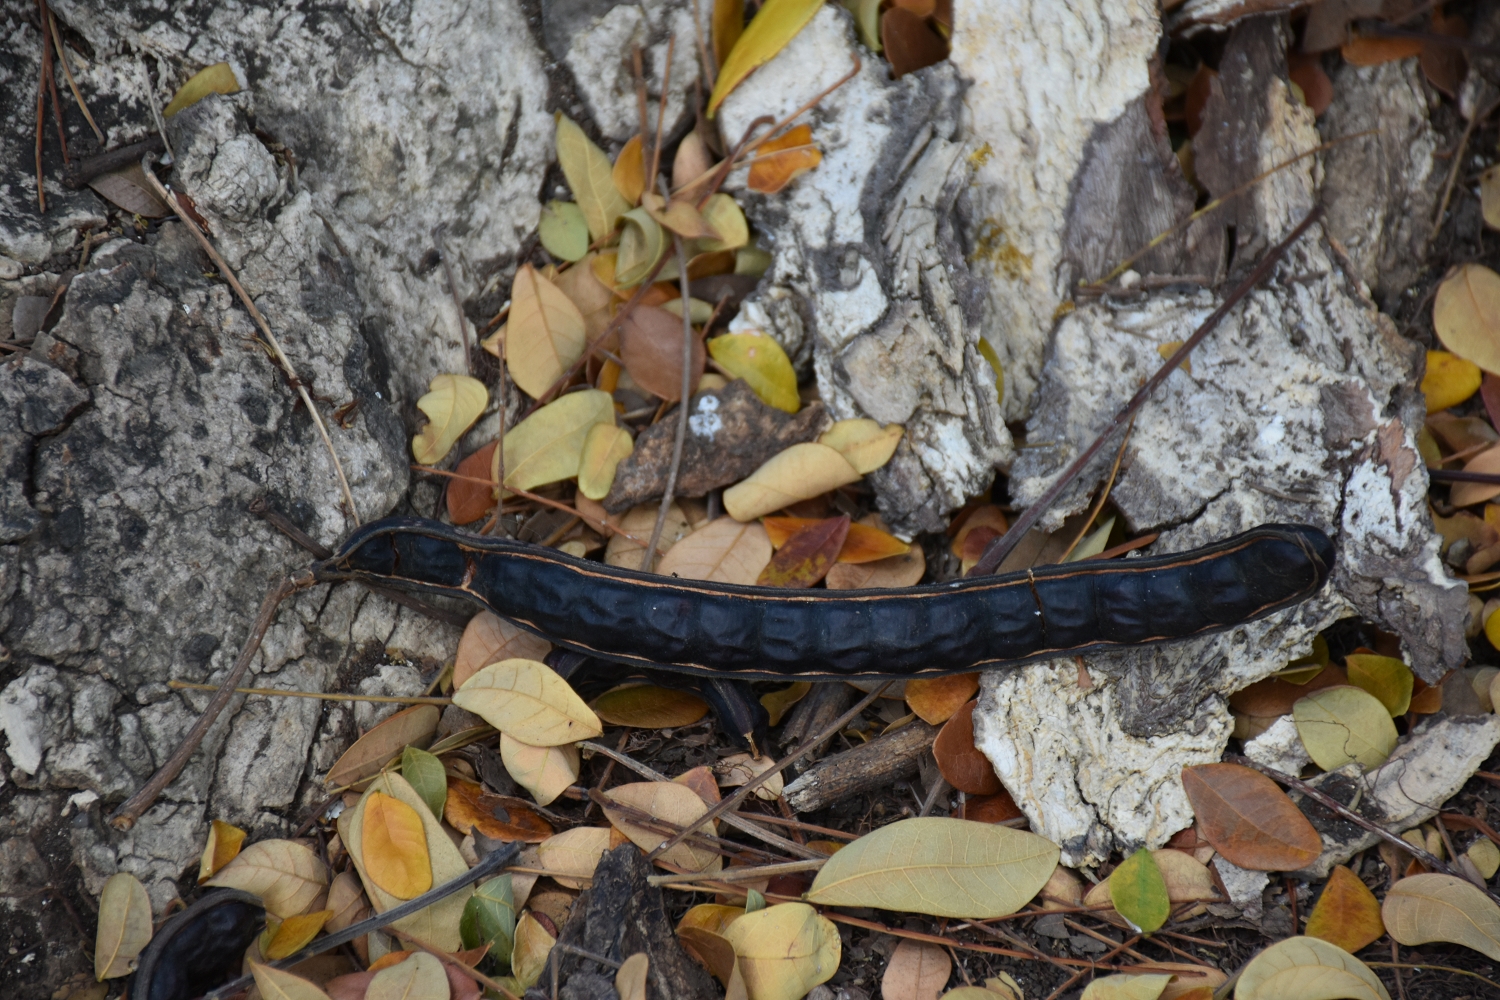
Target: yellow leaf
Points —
{"points": [[544, 333], [784, 950], [548, 445], [528, 958], [452, 405], [1449, 380], [284, 874], [529, 701], [487, 639], [723, 550], [1386, 677], [295, 933], [1436, 907], [800, 472], [630, 980], [1485, 857], [728, 221], [702, 932], [1170, 348], [124, 926], [760, 361], [570, 857], [223, 844], [863, 442], [1306, 968], [1344, 723], [417, 977], [545, 772], [768, 33], [1094, 542], [276, 984], [1489, 196], [1466, 315], [395, 847], [1147, 987], [987, 351], [591, 178], [629, 172], [642, 243], [603, 451], [916, 971], [215, 79], [677, 805], [647, 706], [778, 702], [679, 217], [1347, 913], [970, 870]]}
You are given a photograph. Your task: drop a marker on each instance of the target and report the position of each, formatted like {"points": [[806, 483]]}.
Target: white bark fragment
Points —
{"points": [[1279, 747], [600, 57], [1245, 887]]}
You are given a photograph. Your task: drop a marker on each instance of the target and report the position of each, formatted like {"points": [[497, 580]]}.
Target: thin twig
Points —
{"points": [[51, 77], [161, 125], [458, 306], [1001, 547], [648, 559], [68, 72], [710, 842], [132, 808], [743, 792], [382, 699], [1396, 969], [1109, 483], [748, 873], [170, 197], [1433, 968], [661, 112], [1458, 157]]}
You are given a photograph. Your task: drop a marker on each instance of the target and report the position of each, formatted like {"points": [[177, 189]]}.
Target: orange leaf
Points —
{"points": [[783, 158], [651, 347], [701, 780], [988, 516], [499, 817], [807, 556], [629, 172], [395, 847], [1374, 50], [1306, 71], [1347, 914], [469, 501], [779, 529], [959, 760], [389, 959], [295, 933], [1248, 819], [865, 544], [936, 699], [910, 43], [224, 841], [1425, 699], [995, 808]]}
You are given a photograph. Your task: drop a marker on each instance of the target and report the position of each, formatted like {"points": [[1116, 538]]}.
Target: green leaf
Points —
{"points": [[866, 21], [754, 901], [564, 231], [1140, 893], [490, 919], [1344, 723], [768, 33], [591, 177], [424, 772]]}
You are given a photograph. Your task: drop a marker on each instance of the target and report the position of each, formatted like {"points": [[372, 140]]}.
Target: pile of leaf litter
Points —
{"points": [[647, 435]]}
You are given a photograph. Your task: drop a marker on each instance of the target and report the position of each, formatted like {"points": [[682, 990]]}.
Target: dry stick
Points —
{"points": [[648, 559], [1458, 476], [748, 873], [1396, 969], [68, 72], [1001, 547], [743, 792], [458, 306], [383, 699], [712, 843], [132, 808], [705, 58], [1458, 156], [1433, 968], [170, 197], [1103, 494], [603, 526], [51, 78], [1432, 861]]}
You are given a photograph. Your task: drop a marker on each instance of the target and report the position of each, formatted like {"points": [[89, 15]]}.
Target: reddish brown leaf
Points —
{"points": [[1248, 819], [935, 699], [1445, 64], [469, 501], [1373, 50], [651, 347], [1275, 696], [499, 817], [781, 159], [910, 42], [1306, 71], [995, 808], [959, 760], [779, 529], [1198, 90], [702, 781], [864, 543], [807, 556], [985, 516], [1489, 391], [1425, 699], [976, 541]]}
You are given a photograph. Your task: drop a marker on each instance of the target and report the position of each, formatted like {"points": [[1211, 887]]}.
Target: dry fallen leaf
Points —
{"points": [[630, 980], [1262, 703], [548, 445], [646, 706], [723, 550], [1342, 724], [807, 555], [740, 768], [1436, 907], [129, 189], [216, 79], [1387, 678], [760, 361], [783, 158], [651, 347], [571, 856], [394, 847], [590, 176], [1449, 380], [470, 807], [564, 231], [776, 24], [412, 726], [1466, 315], [784, 951], [639, 521], [778, 702], [487, 639], [800, 472], [1347, 913], [862, 441], [963, 765], [969, 870], [701, 931], [723, 213], [224, 842], [1139, 893], [528, 959], [603, 450], [346, 902], [643, 242], [276, 984], [295, 933], [676, 805], [544, 333], [124, 926], [1249, 819], [897, 571], [1465, 494], [467, 500], [284, 874], [1373, 50], [1299, 967], [452, 404], [419, 976], [530, 702], [545, 772], [1187, 880], [1142, 987], [935, 699], [910, 43], [916, 970]]}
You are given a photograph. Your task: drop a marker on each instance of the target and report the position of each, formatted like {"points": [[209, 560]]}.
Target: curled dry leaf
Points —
{"points": [[961, 763], [651, 347], [781, 159], [413, 726], [419, 976], [295, 933], [499, 817], [740, 768], [590, 176], [643, 241], [603, 450], [935, 699], [452, 404], [1466, 315], [776, 24], [970, 870], [1305, 967], [916, 971], [1342, 724], [1347, 913], [545, 772], [1434, 907], [630, 980], [284, 874], [563, 230], [487, 639], [394, 847], [529, 701], [784, 951], [778, 702], [807, 555], [277, 984], [728, 221], [223, 845], [1449, 380], [1387, 678], [544, 333], [124, 926], [800, 472], [701, 931], [1143, 987], [760, 361], [723, 550], [646, 706], [571, 856], [863, 442], [675, 805], [1249, 819], [528, 958]]}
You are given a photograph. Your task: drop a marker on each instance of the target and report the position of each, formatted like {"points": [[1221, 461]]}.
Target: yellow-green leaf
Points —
{"points": [[1449, 380], [215, 79], [452, 404], [394, 847], [276, 984], [784, 950], [768, 33], [1434, 907], [1485, 857], [1306, 968], [1146, 987], [863, 442], [548, 445], [285, 875], [603, 450], [1386, 677], [760, 361], [1466, 315], [530, 702], [987, 351], [642, 243], [543, 335], [1344, 723], [425, 774], [1094, 542], [724, 215], [629, 171], [417, 977], [528, 957], [939, 866], [590, 176], [124, 926], [800, 472], [1140, 893], [545, 772], [778, 702], [563, 230]]}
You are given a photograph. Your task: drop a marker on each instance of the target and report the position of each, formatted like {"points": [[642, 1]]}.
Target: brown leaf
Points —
{"points": [[1196, 96], [1373, 50], [781, 159], [910, 43], [916, 970], [1445, 64], [935, 699], [1260, 704], [488, 639], [128, 189], [646, 706], [651, 347], [409, 727], [1347, 913], [1306, 71], [469, 501], [807, 556], [960, 762], [723, 550], [701, 780], [1248, 819], [499, 817], [995, 808]]}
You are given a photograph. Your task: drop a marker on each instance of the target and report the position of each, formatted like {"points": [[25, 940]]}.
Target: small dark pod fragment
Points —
{"points": [[199, 948]]}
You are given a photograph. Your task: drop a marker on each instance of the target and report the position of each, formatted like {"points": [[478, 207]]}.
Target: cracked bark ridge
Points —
{"points": [[869, 286], [731, 433], [617, 916]]}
